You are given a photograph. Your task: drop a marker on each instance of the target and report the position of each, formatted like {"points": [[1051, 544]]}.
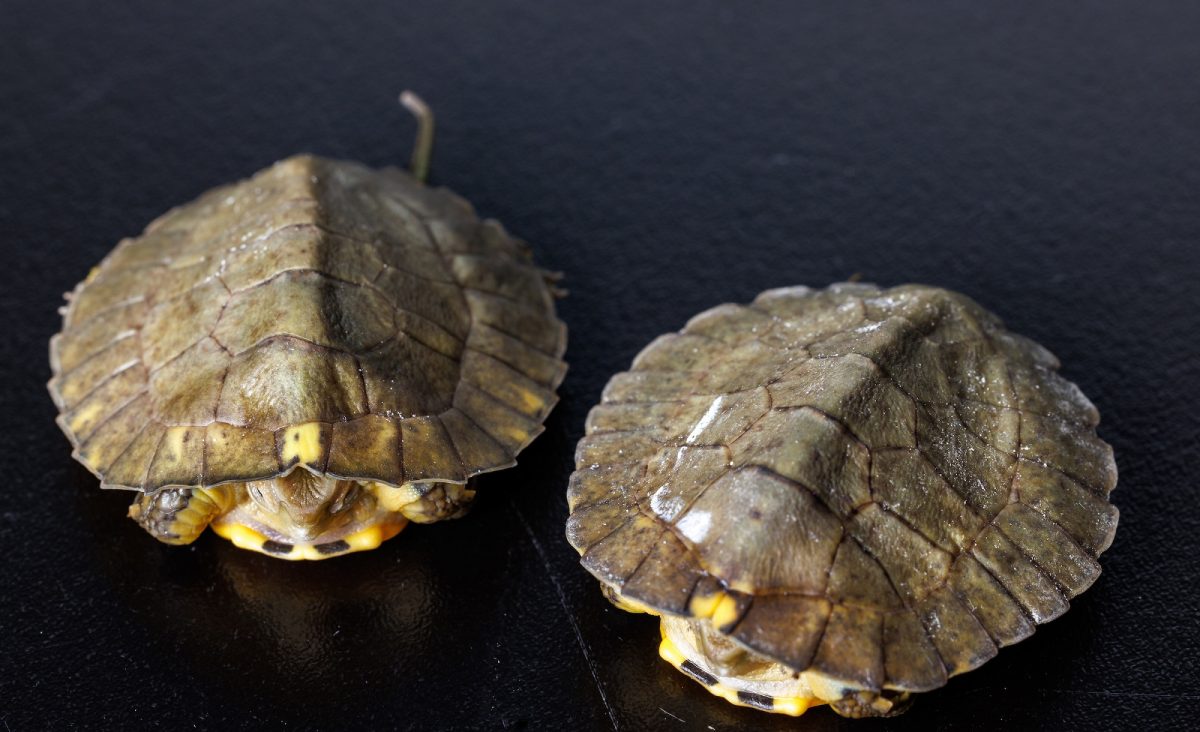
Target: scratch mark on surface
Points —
{"points": [[672, 716], [562, 600]]}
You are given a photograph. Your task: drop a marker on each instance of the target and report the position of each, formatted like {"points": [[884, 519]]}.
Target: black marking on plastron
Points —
{"points": [[332, 547], [276, 547], [760, 701], [698, 673]]}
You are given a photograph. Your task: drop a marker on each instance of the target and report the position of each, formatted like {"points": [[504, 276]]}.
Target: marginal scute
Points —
{"points": [[72, 347], [731, 324], [477, 450], [129, 469], [589, 485], [610, 558], [615, 447], [1070, 449], [648, 386], [1022, 578], [595, 521], [517, 355], [73, 386], [1086, 517], [1003, 618], [180, 458], [680, 353], [960, 640], [880, 485], [93, 411], [237, 454], [428, 451], [110, 288], [502, 276], [520, 393], [103, 448], [786, 627], [851, 648], [536, 328], [510, 428], [910, 660], [1045, 543], [666, 578]]}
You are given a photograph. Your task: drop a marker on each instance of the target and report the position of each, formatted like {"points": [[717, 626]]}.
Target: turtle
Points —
{"points": [[310, 358], [841, 496]]}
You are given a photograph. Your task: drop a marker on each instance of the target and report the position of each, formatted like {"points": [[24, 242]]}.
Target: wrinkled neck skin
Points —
{"points": [[301, 515]]}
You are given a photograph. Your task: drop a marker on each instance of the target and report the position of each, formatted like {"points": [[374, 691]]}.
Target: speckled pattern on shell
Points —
{"points": [[889, 483], [421, 340]]}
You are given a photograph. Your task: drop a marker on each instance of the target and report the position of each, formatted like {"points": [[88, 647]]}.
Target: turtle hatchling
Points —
{"points": [[842, 496], [308, 359]]}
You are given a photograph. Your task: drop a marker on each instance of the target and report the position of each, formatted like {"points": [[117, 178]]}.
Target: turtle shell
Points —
{"points": [[323, 313], [882, 486]]}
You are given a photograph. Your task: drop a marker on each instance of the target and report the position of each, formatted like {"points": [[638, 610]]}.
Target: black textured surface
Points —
{"points": [[667, 157]]}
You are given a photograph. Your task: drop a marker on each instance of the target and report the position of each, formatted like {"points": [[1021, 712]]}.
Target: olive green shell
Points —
{"points": [[415, 342], [888, 483]]}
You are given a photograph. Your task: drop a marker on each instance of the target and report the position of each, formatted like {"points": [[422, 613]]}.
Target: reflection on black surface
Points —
{"points": [[392, 620]]}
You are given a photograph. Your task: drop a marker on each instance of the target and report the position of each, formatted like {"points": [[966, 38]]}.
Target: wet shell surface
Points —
{"points": [[861, 491], [319, 315]]}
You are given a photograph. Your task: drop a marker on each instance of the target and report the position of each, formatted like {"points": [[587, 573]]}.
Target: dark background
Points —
{"points": [[1042, 158]]}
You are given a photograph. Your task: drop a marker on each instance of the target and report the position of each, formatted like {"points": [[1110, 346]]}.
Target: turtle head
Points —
{"points": [[302, 506]]}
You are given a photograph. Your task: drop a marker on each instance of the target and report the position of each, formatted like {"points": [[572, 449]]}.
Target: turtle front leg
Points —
{"points": [[425, 503], [180, 515]]}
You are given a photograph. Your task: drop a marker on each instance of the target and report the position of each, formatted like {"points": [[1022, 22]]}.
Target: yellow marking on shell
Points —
{"points": [[172, 442], [719, 607], [725, 613], [792, 706], [703, 606], [394, 499], [531, 399], [302, 442], [83, 417], [91, 275]]}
